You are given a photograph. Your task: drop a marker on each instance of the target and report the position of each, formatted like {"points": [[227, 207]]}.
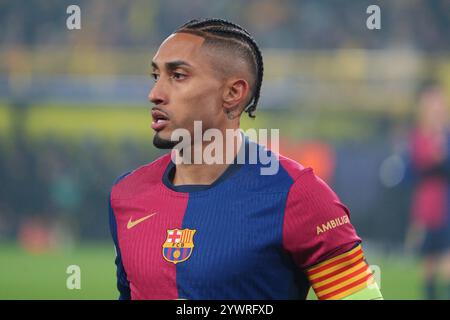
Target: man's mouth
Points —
{"points": [[160, 120]]}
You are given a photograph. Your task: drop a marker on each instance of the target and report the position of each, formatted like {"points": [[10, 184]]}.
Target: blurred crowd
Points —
{"points": [[55, 190], [306, 24]]}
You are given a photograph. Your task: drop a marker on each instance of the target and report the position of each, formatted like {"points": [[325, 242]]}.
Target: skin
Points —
{"points": [[190, 88], [432, 118]]}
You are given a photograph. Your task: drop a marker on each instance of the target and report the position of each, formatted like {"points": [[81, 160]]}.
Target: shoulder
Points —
{"points": [[292, 167], [274, 171], [286, 165], [312, 193], [304, 179], [290, 173], [131, 182]]}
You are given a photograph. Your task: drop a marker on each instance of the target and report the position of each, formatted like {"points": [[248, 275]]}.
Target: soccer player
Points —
{"points": [[429, 166], [225, 230]]}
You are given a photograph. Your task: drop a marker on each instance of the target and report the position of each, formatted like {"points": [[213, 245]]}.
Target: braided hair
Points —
{"points": [[224, 33]]}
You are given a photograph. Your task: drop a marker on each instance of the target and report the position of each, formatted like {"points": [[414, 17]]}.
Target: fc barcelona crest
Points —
{"points": [[178, 245]]}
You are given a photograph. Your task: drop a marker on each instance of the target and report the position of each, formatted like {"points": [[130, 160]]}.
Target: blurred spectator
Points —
{"points": [[430, 164]]}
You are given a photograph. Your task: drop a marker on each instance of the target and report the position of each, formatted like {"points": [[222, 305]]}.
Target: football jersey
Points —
{"points": [[248, 235]]}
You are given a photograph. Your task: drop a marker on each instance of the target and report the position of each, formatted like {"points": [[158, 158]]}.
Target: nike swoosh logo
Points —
{"points": [[131, 223]]}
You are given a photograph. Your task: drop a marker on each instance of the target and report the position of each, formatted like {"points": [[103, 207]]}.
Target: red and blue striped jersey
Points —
{"points": [[246, 236]]}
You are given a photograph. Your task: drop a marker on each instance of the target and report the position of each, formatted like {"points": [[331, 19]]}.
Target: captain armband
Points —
{"points": [[344, 277]]}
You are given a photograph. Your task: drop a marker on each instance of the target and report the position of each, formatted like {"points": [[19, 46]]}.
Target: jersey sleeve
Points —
{"points": [[123, 284], [318, 234]]}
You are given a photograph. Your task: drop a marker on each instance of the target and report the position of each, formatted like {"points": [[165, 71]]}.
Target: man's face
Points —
{"points": [[433, 111], [186, 90]]}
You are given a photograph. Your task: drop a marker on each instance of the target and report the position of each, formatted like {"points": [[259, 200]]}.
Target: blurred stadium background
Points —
{"points": [[74, 115]]}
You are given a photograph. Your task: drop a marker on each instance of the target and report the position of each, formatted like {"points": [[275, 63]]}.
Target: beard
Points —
{"points": [[161, 143]]}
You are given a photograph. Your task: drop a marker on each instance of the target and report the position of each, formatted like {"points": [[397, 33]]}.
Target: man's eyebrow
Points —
{"points": [[172, 65]]}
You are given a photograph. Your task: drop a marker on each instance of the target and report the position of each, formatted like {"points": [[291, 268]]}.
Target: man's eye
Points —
{"points": [[155, 76], [178, 76]]}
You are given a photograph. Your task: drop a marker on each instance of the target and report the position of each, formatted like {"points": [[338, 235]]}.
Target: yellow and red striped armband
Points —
{"points": [[341, 276]]}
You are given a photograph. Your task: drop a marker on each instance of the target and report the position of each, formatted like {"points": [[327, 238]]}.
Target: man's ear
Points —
{"points": [[235, 95]]}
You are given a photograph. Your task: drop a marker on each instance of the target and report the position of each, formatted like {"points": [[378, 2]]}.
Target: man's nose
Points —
{"points": [[157, 94]]}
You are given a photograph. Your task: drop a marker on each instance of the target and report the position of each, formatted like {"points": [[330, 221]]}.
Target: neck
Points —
{"points": [[203, 172]]}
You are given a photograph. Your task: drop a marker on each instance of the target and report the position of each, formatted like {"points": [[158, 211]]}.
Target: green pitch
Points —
{"points": [[28, 276], [31, 276]]}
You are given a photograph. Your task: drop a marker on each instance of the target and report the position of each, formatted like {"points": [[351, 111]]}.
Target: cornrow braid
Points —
{"points": [[197, 24], [225, 30]]}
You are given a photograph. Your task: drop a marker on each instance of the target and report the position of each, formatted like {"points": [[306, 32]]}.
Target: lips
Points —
{"points": [[160, 119]]}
